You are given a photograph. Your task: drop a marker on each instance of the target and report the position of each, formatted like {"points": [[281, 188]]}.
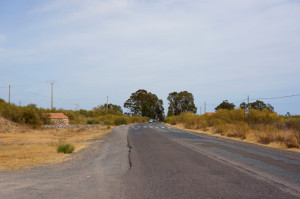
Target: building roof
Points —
{"points": [[57, 116], [210, 113]]}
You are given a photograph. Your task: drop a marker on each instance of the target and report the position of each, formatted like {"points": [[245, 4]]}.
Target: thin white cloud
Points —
{"points": [[174, 43], [2, 38]]}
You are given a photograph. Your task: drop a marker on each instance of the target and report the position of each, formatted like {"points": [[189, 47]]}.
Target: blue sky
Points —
{"points": [[218, 50]]}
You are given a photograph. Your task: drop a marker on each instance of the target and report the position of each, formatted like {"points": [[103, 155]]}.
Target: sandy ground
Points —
{"points": [[93, 172], [22, 147]]}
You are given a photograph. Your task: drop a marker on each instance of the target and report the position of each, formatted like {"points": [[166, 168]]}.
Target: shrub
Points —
{"points": [[220, 129], [65, 148], [120, 121], [201, 123], [171, 120], [93, 122], [31, 118], [279, 138], [264, 139], [108, 122], [291, 141], [294, 123], [137, 119]]}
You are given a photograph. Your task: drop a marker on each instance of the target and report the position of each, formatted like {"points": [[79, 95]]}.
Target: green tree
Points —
{"points": [[225, 105], [259, 105], [181, 102], [32, 106], [145, 104], [112, 107], [243, 105]]}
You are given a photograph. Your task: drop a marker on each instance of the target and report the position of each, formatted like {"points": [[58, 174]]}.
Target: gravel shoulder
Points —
{"points": [[94, 172]]}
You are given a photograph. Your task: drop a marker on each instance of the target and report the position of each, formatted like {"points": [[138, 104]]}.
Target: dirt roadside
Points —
{"points": [[93, 172]]}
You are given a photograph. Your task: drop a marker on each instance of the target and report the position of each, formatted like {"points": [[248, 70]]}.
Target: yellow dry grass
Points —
{"points": [[252, 137], [38, 147]]}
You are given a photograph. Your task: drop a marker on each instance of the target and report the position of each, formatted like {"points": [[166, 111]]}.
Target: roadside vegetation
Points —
{"points": [[25, 144], [65, 148], [265, 126], [36, 117]]}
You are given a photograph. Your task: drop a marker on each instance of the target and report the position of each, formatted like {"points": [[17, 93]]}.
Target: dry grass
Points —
{"points": [[265, 127], [38, 147], [282, 139]]}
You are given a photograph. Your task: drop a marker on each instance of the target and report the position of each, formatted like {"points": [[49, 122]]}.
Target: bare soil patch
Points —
{"points": [[22, 147]]}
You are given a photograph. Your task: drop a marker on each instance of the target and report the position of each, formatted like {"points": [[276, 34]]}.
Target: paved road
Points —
{"points": [[170, 163], [163, 163]]}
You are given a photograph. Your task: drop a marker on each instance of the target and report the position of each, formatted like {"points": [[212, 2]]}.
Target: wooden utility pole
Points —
{"points": [[9, 94], [107, 103], [51, 95], [248, 110]]}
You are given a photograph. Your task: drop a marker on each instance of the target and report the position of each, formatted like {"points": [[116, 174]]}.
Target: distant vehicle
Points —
{"points": [[154, 120], [150, 121]]}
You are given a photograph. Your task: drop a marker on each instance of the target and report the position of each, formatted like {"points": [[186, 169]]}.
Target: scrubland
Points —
{"points": [[31, 147], [265, 127], [37, 117], [25, 144]]}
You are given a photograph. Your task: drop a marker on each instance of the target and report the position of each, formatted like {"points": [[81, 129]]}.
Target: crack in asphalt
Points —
{"points": [[129, 152]]}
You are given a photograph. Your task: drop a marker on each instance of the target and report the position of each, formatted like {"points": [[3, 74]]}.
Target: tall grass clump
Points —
{"points": [[65, 148]]}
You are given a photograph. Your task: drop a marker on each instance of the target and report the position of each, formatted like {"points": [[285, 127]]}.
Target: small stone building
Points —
{"points": [[210, 113], [59, 119]]}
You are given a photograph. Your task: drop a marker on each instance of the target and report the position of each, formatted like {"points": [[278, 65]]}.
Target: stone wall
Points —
{"points": [[60, 121]]}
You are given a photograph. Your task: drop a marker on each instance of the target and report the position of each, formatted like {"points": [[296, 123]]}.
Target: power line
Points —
{"points": [[29, 92], [240, 101], [287, 96]]}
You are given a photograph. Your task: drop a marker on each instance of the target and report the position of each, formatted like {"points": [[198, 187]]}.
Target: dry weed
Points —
{"points": [[25, 150]]}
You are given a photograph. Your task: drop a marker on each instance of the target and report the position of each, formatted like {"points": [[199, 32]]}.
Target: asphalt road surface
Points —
{"points": [[159, 162], [171, 163]]}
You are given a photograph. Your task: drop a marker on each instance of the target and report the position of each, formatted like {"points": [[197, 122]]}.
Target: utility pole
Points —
{"points": [[107, 103], [9, 94], [77, 106], [52, 82], [200, 110], [248, 110], [204, 107]]}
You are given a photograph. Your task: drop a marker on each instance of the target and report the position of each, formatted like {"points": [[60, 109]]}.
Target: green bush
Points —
{"points": [[93, 122], [138, 119], [65, 148], [120, 121], [29, 115], [108, 122], [31, 118]]}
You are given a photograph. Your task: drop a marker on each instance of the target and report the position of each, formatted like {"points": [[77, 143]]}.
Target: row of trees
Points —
{"points": [[148, 104], [259, 105]]}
